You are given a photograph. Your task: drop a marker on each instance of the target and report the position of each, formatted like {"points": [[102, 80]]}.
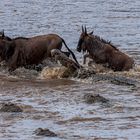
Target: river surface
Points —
{"points": [[58, 104]]}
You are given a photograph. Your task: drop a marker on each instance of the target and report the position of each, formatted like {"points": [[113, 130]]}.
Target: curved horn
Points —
{"points": [[82, 29], [85, 30]]}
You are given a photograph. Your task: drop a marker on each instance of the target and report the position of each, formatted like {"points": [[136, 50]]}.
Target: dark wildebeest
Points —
{"points": [[103, 52], [27, 51]]}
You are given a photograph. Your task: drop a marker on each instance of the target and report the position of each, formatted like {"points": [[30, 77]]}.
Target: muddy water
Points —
{"points": [[59, 104]]}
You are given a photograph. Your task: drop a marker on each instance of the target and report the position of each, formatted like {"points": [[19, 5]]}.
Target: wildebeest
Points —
{"points": [[27, 51], [103, 52]]}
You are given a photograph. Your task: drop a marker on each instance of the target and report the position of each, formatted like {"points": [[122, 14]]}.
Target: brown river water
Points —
{"points": [[58, 104]]}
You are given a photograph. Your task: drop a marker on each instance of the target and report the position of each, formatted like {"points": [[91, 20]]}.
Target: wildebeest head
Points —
{"points": [[2, 36], [6, 49], [83, 42]]}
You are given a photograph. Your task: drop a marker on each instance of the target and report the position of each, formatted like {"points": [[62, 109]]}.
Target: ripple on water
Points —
{"points": [[57, 104]]}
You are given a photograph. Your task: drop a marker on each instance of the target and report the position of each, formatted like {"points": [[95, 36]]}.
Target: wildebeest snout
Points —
{"points": [[78, 49]]}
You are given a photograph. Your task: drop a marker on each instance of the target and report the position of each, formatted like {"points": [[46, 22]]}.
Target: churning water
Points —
{"points": [[59, 104]]}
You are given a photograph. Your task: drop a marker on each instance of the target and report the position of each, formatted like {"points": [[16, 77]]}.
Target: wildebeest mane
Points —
{"points": [[21, 38], [10, 39], [105, 41], [94, 43]]}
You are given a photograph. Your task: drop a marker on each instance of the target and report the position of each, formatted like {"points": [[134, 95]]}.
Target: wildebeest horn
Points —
{"points": [[82, 29], [85, 30]]}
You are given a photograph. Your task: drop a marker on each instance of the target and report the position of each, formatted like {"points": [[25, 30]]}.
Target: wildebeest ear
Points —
{"points": [[91, 33], [2, 33]]}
